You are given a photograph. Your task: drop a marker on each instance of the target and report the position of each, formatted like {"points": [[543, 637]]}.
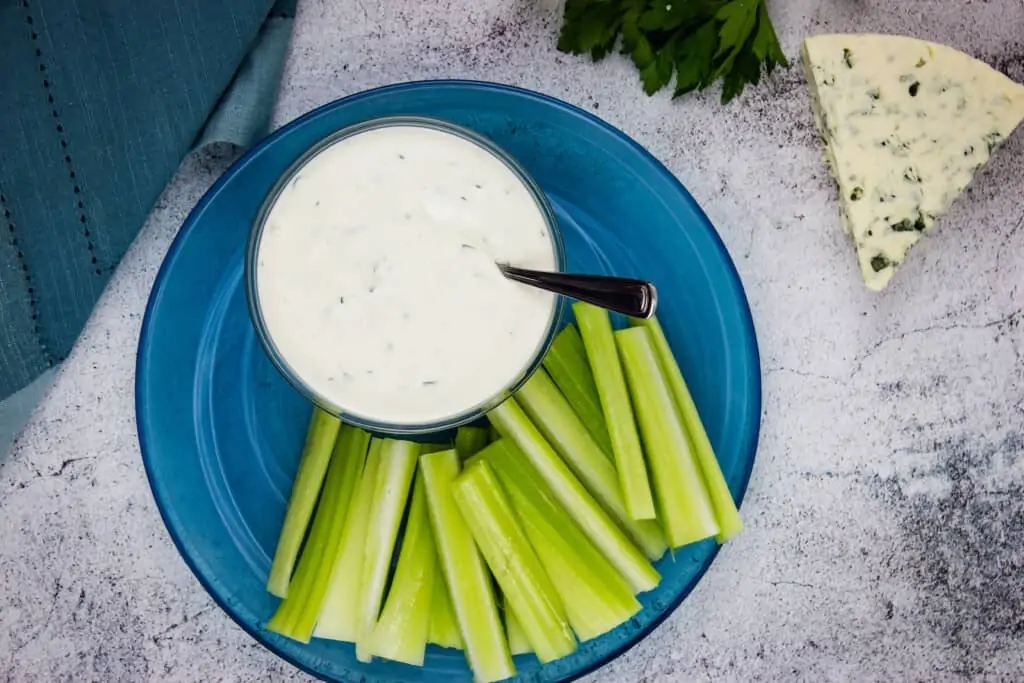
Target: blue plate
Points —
{"points": [[221, 431]]}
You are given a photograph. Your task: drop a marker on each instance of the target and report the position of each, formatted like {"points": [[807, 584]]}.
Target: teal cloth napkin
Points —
{"points": [[100, 100]]}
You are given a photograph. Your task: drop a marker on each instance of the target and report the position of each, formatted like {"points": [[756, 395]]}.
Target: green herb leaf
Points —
{"points": [[694, 59], [636, 45], [766, 46], [677, 14], [655, 66], [746, 69], [590, 26], [738, 18], [700, 41], [658, 72]]}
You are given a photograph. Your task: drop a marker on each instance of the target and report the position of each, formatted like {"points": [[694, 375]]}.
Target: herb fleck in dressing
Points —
{"points": [[379, 286]]}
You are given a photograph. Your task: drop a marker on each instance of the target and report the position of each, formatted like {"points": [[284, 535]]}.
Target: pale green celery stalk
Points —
{"points": [[566, 362], [469, 440], [337, 620], [728, 516], [596, 597], [631, 563], [443, 629], [434, 447], [527, 588], [316, 453], [394, 478], [469, 582], [474, 458], [554, 417], [685, 508], [401, 632], [297, 614], [596, 329], [517, 642]]}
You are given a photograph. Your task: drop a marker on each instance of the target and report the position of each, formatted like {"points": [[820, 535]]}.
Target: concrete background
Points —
{"points": [[885, 516]]}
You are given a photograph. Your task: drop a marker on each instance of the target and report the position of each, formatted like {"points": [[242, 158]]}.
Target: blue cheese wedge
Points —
{"points": [[906, 124]]}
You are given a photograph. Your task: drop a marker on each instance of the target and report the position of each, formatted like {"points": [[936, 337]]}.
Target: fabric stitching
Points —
{"points": [[48, 87], [12, 231]]}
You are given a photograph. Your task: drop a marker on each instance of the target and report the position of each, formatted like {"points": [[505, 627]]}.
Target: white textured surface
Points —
{"points": [[885, 516]]}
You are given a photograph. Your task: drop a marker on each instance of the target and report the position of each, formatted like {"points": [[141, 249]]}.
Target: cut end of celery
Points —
{"points": [[401, 632], [685, 507], [278, 581], [337, 619], [596, 597], [602, 353], [443, 629], [527, 588], [397, 466], [517, 642], [297, 615], [469, 583], [649, 537], [469, 440], [279, 624], [730, 523], [553, 415], [316, 453], [726, 512], [566, 363], [634, 566]]}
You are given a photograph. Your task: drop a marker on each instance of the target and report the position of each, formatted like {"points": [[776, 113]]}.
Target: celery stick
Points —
{"points": [[492, 434], [526, 586], [468, 440], [434, 447], [337, 620], [401, 632], [297, 614], [728, 516], [512, 422], [469, 582], [566, 362], [596, 328], [554, 417], [443, 629], [397, 467], [316, 453], [685, 508], [596, 597], [517, 642]]}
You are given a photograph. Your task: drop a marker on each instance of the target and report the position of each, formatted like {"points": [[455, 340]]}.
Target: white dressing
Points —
{"points": [[377, 281]]}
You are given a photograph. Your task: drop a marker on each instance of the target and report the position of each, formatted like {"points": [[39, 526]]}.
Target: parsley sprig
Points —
{"points": [[698, 41]]}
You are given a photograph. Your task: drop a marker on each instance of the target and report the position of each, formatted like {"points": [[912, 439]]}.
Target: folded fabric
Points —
{"points": [[99, 103]]}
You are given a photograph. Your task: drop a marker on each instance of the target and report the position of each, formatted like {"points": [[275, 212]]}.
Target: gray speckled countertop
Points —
{"points": [[885, 515]]}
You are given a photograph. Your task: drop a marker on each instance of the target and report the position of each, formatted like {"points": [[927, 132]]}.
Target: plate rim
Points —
{"points": [[159, 282]]}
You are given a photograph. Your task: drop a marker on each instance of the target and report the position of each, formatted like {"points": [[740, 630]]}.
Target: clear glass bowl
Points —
{"points": [[472, 413]]}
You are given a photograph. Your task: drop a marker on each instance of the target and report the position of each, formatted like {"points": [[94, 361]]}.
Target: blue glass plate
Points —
{"points": [[221, 431]]}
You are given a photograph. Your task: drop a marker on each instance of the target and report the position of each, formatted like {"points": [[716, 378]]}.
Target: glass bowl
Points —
{"points": [[468, 415]]}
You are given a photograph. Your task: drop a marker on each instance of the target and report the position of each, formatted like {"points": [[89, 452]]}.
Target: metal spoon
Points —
{"points": [[635, 298]]}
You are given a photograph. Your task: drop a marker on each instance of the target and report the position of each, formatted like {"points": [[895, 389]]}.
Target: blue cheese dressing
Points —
{"points": [[377, 282]]}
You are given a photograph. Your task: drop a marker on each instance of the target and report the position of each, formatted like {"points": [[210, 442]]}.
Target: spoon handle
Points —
{"points": [[635, 298]]}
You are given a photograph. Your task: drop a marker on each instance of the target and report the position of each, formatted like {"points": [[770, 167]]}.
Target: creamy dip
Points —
{"points": [[377, 282]]}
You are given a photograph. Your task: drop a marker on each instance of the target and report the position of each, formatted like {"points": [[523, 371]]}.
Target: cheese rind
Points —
{"points": [[906, 124]]}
